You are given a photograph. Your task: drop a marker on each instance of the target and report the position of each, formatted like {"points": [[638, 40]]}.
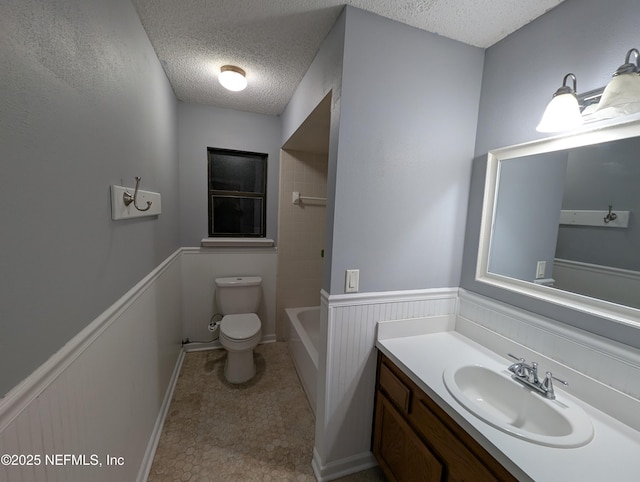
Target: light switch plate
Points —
{"points": [[352, 281], [120, 211], [541, 268]]}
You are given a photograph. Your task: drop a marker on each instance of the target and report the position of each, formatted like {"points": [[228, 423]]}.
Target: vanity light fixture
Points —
{"points": [[232, 78], [563, 112], [621, 96]]}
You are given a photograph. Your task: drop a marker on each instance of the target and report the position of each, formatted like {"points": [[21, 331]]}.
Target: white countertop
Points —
{"points": [[612, 455]]}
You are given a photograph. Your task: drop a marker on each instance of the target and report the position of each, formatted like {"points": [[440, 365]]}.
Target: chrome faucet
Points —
{"points": [[518, 367], [528, 376]]}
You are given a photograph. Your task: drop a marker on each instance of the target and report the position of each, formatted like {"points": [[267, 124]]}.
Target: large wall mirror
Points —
{"points": [[561, 220]]}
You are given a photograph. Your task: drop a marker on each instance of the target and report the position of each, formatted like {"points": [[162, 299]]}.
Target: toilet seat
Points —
{"points": [[240, 326]]}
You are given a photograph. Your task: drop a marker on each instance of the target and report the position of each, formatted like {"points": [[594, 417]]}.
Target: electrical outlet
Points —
{"points": [[352, 281], [541, 268]]}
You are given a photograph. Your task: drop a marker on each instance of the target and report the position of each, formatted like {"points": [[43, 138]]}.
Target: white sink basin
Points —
{"points": [[513, 408]]}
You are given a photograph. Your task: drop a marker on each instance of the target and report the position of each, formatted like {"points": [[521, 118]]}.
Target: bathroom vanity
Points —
{"points": [[451, 404], [422, 432], [415, 439]]}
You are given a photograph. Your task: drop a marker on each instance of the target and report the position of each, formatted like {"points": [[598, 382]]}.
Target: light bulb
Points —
{"points": [[562, 113], [232, 78]]}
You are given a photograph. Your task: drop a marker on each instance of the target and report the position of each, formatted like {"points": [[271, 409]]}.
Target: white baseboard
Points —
{"points": [[342, 467], [147, 461], [216, 345]]}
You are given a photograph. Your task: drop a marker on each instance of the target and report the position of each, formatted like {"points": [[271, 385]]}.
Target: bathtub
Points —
{"points": [[303, 334]]}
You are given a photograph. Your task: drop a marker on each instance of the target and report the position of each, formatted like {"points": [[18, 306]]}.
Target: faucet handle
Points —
{"points": [[547, 385], [549, 375]]}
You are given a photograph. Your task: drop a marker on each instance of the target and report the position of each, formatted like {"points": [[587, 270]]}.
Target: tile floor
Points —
{"points": [[262, 430]]}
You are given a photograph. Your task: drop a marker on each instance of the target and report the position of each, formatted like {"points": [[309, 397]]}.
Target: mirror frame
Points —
{"points": [[589, 135]]}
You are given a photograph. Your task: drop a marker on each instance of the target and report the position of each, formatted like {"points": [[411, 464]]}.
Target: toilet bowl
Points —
{"points": [[239, 335], [240, 330]]}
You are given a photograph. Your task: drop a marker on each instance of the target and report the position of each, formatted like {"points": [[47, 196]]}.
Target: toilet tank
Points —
{"points": [[238, 294]]}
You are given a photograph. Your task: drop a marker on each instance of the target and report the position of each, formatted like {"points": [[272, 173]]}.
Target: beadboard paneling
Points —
{"points": [[605, 282], [103, 393], [343, 428]]}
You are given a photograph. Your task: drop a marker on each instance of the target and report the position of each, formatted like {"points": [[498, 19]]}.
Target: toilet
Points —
{"points": [[238, 299]]}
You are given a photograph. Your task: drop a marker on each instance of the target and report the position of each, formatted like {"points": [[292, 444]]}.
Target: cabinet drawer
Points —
{"points": [[396, 390]]}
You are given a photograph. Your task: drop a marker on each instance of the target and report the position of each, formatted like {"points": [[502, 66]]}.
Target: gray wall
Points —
{"points": [[200, 127], [587, 37], [404, 155], [399, 157], [85, 104], [323, 76]]}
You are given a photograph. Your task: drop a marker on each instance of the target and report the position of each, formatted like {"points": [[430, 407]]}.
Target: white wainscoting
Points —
{"points": [[612, 284], [104, 393], [347, 370]]}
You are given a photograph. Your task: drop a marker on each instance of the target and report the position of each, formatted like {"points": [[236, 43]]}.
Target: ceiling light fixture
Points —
{"points": [[232, 78], [563, 112], [621, 96]]}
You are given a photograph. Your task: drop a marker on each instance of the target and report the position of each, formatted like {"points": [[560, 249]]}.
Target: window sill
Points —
{"points": [[236, 242]]}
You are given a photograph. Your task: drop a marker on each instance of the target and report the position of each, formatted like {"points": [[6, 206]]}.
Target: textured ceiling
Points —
{"points": [[275, 41]]}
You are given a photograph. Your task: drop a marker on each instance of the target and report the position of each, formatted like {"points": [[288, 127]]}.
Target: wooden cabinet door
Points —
{"points": [[462, 465], [400, 452]]}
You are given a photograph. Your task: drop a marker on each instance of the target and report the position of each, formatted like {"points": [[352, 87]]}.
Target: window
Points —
{"points": [[237, 193]]}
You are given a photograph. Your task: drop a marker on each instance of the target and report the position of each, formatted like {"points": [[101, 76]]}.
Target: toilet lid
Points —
{"points": [[239, 327]]}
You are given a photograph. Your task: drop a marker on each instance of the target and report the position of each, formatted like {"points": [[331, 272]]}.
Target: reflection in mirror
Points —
{"points": [[602, 259], [560, 220]]}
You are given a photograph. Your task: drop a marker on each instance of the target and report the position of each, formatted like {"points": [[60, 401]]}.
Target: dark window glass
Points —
{"points": [[237, 193]]}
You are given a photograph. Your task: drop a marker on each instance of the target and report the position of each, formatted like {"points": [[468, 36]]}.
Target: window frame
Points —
{"points": [[211, 193]]}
